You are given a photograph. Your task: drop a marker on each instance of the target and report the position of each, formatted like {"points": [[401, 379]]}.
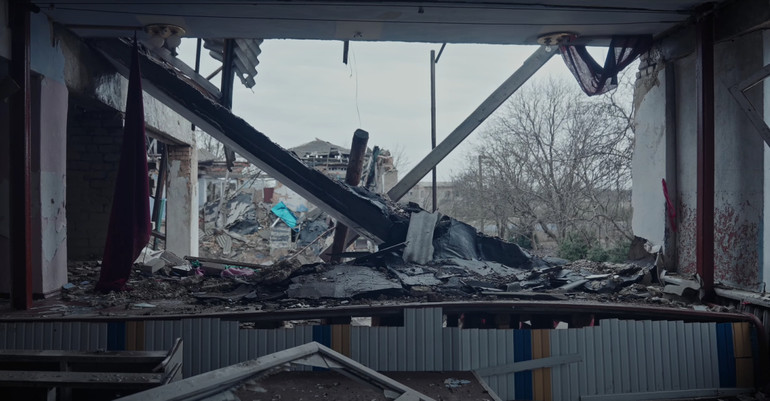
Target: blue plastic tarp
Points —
{"points": [[285, 214]]}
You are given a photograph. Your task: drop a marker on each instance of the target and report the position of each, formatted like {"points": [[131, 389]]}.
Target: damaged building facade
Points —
{"points": [[699, 199], [706, 154]]}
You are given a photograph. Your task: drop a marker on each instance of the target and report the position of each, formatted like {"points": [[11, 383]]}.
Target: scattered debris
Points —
{"points": [[342, 281], [432, 258], [455, 383]]}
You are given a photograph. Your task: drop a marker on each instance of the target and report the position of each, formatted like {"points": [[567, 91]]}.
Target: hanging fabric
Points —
{"points": [[595, 79], [129, 228]]}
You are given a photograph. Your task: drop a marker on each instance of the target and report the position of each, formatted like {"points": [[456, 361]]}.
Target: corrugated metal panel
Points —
{"points": [[618, 356]]}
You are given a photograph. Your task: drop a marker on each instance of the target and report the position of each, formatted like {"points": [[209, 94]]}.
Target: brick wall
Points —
{"points": [[94, 136]]}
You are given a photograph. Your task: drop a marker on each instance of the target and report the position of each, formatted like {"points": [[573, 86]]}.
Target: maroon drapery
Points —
{"points": [[595, 79], [129, 228]]}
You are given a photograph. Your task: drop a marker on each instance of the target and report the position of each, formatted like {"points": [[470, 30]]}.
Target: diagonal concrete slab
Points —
{"points": [[366, 215]]}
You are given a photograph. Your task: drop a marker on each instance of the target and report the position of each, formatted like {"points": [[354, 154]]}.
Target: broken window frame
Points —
{"points": [[738, 91]]}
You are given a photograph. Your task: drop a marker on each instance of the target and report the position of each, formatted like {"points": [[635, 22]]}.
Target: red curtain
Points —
{"points": [[129, 228], [595, 79]]}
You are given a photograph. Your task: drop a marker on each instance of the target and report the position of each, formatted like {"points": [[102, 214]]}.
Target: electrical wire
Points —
{"points": [[354, 66]]}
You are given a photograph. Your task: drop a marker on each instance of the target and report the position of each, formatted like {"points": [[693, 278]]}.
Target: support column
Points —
{"points": [[670, 241], [704, 89], [20, 158], [182, 201], [765, 254], [49, 177]]}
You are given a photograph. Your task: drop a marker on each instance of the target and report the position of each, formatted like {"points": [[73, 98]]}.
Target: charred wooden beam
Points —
{"points": [[352, 177]]}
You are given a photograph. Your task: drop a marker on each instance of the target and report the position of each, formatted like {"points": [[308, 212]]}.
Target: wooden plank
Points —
{"points": [[131, 336], [346, 341], [337, 337], [744, 372], [742, 339], [20, 378], [537, 374]]}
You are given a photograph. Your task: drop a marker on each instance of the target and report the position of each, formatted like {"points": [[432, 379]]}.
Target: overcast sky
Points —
{"points": [[303, 91]]}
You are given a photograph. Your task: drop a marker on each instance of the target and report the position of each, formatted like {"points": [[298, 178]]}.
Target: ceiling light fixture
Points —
{"points": [[556, 38], [164, 34]]}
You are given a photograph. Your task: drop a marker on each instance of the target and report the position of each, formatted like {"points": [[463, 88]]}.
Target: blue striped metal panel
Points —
{"points": [[522, 344], [726, 355], [618, 356]]}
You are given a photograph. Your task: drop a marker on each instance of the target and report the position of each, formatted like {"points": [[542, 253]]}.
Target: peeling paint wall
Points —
{"points": [[182, 201], [49, 165], [739, 161], [649, 161]]}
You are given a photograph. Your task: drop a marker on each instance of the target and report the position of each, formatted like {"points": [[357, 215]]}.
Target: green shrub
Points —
{"points": [[619, 252], [573, 247], [597, 253]]}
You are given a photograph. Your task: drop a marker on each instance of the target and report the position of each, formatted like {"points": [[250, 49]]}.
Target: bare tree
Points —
{"points": [[556, 160], [209, 143]]}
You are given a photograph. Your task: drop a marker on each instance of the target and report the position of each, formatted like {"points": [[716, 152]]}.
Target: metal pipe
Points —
{"points": [[433, 117], [20, 156], [159, 190], [352, 177], [228, 80], [213, 74], [704, 87]]}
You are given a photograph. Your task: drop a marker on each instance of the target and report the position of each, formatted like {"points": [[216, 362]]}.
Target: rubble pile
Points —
{"points": [[234, 229], [438, 259], [204, 283]]}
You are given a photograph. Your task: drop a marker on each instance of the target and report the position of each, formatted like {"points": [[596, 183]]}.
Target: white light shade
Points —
{"points": [[173, 41], [155, 42]]}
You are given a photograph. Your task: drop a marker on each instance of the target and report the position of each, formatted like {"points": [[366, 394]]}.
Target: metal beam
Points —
{"points": [[531, 364], [364, 215], [206, 384], [704, 87], [709, 393], [20, 156], [496, 99], [433, 120]]}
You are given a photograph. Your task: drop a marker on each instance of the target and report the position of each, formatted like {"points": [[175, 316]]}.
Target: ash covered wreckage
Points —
{"points": [[138, 266]]}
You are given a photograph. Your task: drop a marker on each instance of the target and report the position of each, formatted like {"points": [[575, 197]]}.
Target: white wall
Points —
{"points": [[649, 161]]}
